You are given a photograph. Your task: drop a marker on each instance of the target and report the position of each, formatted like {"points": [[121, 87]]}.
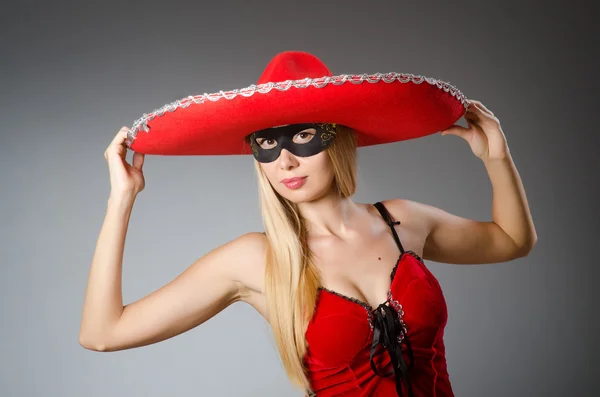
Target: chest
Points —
{"points": [[341, 330], [360, 266]]}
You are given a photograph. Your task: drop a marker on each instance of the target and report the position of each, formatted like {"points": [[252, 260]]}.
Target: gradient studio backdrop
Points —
{"points": [[72, 74]]}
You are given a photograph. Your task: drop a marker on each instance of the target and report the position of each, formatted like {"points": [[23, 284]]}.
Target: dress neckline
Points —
{"points": [[364, 304]]}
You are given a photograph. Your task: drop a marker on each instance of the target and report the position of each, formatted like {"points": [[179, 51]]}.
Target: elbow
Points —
{"points": [[87, 343], [93, 344], [525, 249]]}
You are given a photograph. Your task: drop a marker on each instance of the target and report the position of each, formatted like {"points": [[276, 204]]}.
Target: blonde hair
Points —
{"points": [[291, 278]]}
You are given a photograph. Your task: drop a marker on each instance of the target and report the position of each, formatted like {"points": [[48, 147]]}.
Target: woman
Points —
{"points": [[352, 306]]}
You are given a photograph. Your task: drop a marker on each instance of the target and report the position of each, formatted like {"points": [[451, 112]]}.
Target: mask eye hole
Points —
{"points": [[305, 136], [266, 143]]}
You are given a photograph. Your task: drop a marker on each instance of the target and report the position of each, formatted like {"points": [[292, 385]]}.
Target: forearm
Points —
{"points": [[103, 302], [510, 209]]}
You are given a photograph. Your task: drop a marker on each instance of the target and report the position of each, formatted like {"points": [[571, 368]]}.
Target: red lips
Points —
{"points": [[288, 180]]}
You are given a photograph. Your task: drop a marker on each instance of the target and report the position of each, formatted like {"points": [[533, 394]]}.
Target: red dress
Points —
{"points": [[401, 339]]}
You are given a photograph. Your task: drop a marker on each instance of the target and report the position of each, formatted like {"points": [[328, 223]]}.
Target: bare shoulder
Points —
{"points": [[413, 214], [449, 238], [249, 252]]}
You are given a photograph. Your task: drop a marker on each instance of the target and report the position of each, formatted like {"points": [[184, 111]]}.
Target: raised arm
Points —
{"points": [[205, 288], [208, 286]]}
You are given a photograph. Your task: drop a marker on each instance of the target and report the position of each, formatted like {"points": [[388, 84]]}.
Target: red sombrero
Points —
{"points": [[296, 87]]}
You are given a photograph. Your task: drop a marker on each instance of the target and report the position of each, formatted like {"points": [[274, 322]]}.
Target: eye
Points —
{"points": [[266, 143], [304, 136]]}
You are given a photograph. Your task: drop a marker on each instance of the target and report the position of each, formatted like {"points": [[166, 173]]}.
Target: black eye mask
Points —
{"points": [[283, 138]]}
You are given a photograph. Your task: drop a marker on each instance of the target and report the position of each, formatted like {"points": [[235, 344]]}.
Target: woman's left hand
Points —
{"points": [[484, 133]]}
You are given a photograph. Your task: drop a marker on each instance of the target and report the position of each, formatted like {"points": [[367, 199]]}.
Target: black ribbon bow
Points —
{"points": [[387, 330]]}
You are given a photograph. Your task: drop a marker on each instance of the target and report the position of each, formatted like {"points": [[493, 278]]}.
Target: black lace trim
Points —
{"points": [[409, 252], [392, 275], [388, 330], [412, 253]]}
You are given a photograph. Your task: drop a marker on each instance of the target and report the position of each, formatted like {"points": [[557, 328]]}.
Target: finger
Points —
{"points": [[472, 109], [455, 129], [477, 126], [484, 119], [471, 113], [138, 160], [471, 105], [121, 136], [480, 117], [480, 107]]}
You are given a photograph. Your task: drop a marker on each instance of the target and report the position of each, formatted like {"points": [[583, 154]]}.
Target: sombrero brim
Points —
{"points": [[381, 108]]}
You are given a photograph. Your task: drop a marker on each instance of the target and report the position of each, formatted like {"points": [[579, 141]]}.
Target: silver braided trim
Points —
{"points": [[396, 305], [142, 123]]}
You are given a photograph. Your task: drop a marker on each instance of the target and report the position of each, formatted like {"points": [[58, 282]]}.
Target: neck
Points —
{"points": [[329, 215]]}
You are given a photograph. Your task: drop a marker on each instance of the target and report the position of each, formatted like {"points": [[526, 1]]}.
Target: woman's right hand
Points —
{"points": [[124, 178]]}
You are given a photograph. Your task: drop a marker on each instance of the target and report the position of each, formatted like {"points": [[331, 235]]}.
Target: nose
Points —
{"points": [[287, 160]]}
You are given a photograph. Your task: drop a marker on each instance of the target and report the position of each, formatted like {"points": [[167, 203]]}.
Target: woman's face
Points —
{"points": [[316, 171]]}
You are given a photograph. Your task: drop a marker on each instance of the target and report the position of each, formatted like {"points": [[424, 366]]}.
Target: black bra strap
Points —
{"points": [[388, 218]]}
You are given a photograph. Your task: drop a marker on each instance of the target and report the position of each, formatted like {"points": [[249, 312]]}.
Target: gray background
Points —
{"points": [[72, 75]]}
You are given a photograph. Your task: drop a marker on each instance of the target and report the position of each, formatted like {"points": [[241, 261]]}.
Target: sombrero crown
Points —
{"points": [[297, 87]]}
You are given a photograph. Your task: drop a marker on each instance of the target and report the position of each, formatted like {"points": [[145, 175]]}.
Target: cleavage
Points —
{"points": [[362, 263], [359, 297]]}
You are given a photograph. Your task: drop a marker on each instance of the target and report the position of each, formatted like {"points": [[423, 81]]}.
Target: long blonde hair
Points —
{"points": [[291, 278]]}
